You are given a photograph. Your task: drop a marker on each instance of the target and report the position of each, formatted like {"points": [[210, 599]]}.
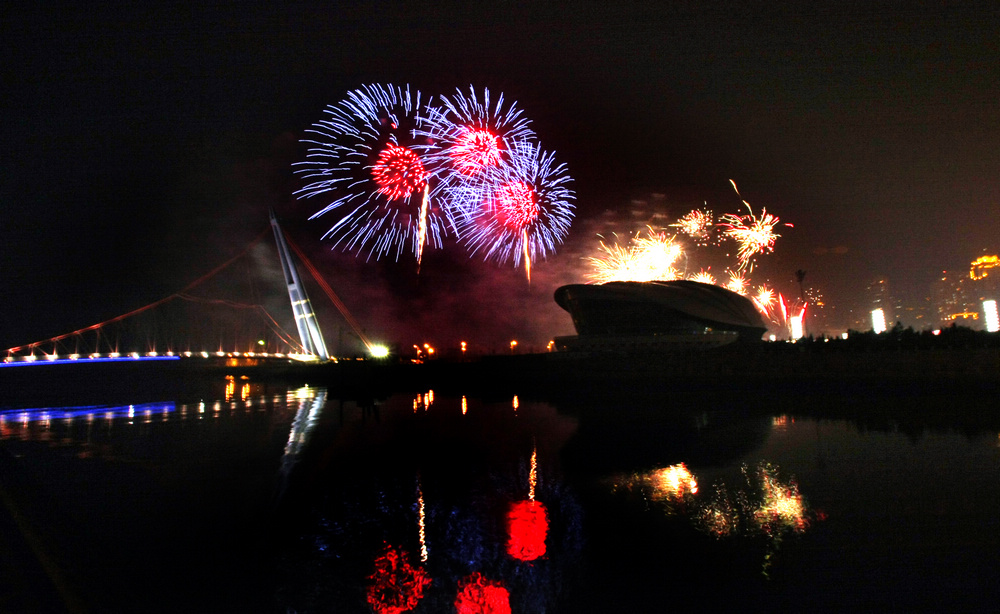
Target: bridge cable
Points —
{"points": [[190, 286]]}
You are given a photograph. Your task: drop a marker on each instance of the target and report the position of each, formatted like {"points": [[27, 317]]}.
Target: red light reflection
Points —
{"points": [[477, 595], [528, 525], [395, 586]]}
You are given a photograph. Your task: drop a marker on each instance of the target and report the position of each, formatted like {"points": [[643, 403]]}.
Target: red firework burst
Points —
{"points": [[475, 149], [515, 206], [398, 172]]}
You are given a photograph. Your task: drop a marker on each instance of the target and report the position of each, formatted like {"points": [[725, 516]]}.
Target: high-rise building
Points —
{"points": [[958, 296], [878, 296]]}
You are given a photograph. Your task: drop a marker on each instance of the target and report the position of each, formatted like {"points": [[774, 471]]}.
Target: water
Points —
{"points": [[262, 498]]}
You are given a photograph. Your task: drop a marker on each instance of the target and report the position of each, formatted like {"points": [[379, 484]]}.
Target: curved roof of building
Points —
{"points": [[626, 307]]}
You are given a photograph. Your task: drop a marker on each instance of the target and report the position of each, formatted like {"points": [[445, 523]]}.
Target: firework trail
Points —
{"points": [[365, 157], [754, 235], [521, 209]]}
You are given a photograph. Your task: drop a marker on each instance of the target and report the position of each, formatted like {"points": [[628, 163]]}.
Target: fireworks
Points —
{"points": [[737, 283], [366, 158], [469, 134], [522, 210], [655, 256], [698, 225], [754, 235], [703, 277], [764, 299], [649, 258], [402, 176]]}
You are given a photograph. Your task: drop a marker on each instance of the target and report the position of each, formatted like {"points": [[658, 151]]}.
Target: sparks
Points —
{"points": [[648, 258], [698, 225]]}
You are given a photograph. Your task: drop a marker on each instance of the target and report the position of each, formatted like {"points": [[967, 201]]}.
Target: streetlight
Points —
{"points": [[513, 344]]}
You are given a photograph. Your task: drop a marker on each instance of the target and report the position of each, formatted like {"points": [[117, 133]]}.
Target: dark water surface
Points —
{"points": [[263, 498]]}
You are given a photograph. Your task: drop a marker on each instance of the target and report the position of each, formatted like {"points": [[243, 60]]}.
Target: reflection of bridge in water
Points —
{"points": [[216, 325]]}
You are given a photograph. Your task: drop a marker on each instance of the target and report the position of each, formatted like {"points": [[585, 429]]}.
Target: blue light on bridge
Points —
{"points": [[46, 360]]}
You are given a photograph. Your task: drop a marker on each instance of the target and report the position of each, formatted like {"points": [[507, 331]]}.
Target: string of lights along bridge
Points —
{"points": [[203, 325]]}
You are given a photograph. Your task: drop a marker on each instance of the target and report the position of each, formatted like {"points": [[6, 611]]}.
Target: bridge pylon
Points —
{"points": [[305, 317]]}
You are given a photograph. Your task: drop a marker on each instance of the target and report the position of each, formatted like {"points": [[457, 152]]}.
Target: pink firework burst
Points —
{"points": [[513, 205], [475, 149]]}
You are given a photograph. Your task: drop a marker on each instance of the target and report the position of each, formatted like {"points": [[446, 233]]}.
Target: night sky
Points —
{"points": [[141, 147]]}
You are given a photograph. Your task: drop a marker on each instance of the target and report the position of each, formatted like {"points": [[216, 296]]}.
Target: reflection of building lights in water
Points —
{"points": [[465, 406], [780, 423], [528, 525], [423, 401], [395, 586], [477, 595], [515, 402]]}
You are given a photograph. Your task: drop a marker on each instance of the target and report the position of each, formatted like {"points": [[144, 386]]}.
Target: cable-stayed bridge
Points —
{"points": [[232, 312]]}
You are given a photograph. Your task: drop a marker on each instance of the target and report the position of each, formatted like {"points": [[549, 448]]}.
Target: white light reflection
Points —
{"points": [[311, 402]]}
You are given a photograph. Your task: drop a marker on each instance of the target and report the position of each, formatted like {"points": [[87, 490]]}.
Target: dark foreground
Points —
{"points": [[260, 495]]}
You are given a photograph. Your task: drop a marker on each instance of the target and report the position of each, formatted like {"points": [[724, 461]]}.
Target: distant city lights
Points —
{"points": [[878, 321], [992, 321]]}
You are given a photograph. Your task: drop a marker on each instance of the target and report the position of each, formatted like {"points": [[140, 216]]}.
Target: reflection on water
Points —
{"points": [[395, 585], [439, 505], [431, 502], [766, 507]]}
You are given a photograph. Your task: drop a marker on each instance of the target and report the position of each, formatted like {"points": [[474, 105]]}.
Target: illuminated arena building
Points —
{"points": [[627, 315]]}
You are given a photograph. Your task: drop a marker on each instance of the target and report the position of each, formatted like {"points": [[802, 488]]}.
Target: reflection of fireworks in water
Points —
{"points": [[364, 156], [781, 506], [522, 211], [395, 586], [698, 225], [754, 235], [528, 526], [649, 258], [477, 595], [769, 507], [673, 482]]}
